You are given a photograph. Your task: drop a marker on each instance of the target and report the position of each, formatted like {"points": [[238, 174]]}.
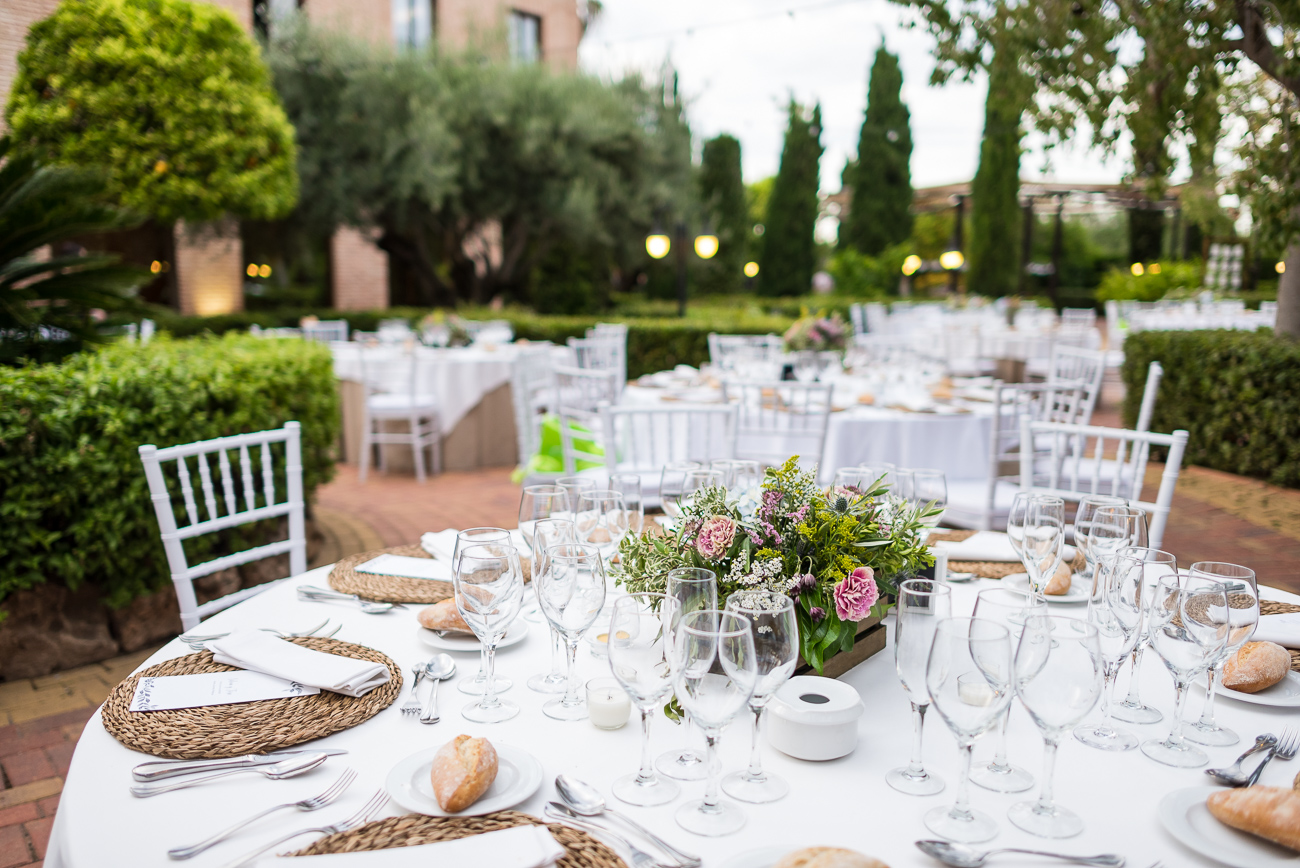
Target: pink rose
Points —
{"points": [[715, 537], [855, 596]]}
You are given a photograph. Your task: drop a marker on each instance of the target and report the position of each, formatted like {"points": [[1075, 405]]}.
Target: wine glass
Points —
{"points": [[1058, 680], [697, 480], [922, 603], [738, 474], [1044, 540], [628, 487], [476, 685], [672, 485], [1189, 629], [929, 492], [601, 520], [1016, 518], [489, 586], [638, 657], [855, 479], [1008, 607], [714, 673], [1113, 528], [1155, 564], [776, 650], [550, 532], [1083, 513], [539, 502], [689, 589], [1243, 616], [968, 677], [571, 588], [1115, 609], [899, 480], [574, 486]]}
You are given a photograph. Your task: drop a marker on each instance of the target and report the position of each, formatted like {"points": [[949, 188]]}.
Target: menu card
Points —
{"points": [[168, 692], [411, 568]]}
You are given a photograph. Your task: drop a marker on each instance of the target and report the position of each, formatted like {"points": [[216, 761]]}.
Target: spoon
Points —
{"points": [[961, 856], [1233, 775], [277, 771], [440, 668], [586, 800]]}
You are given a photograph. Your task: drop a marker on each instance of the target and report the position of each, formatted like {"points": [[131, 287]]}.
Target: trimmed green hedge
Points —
{"points": [[1236, 393], [74, 505]]}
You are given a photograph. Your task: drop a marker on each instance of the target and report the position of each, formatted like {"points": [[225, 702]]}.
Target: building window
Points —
{"points": [[267, 12], [525, 37], [412, 23]]}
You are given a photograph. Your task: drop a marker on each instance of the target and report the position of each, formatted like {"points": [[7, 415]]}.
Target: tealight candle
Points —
{"points": [[972, 689], [608, 705]]}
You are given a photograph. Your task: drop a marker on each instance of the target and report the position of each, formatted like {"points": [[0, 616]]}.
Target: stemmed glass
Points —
{"points": [[571, 588], [638, 657], [1008, 607], [1113, 528], [547, 533], [738, 474], [1115, 609], [922, 603], [628, 486], [900, 482], [714, 673], [856, 478], [1058, 680], [1044, 540], [574, 486], [1083, 514], [1243, 616], [538, 502], [929, 491], [601, 520], [1016, 518], [968, 676], [776, 650], [1155, 564], [489, 586], [476, 685], [672, 485], [689, 589], [1189, 629]]}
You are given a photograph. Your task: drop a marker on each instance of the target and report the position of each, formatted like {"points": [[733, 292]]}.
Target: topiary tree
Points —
{"points": [[722, 193], [881, 176], [168, 99], [789, 252]]}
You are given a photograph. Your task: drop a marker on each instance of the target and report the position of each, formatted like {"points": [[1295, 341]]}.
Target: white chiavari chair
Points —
{"points": [[780, 419], [642, 440], [391, 379], [326, 330], [579, 394]]}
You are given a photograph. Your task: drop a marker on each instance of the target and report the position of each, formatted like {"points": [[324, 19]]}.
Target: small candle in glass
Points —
{"points": [[608, 706]]}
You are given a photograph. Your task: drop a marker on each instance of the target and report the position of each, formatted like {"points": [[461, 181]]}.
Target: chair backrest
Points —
{"points": [[259, 503], [858, 318], [780, 419], [387, 370], [1086, 459], [1155, 373], [644, 439], [1078, 317], [1084, 368], [579, 393], [601, 354], [612, 330], [326, 330], [532, 388], [722, 348]]}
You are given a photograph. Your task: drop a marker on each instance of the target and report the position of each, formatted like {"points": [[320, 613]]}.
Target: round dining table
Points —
{"points": [[843, 802]]}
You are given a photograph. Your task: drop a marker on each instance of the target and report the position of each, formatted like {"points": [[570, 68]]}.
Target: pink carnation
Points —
{"points": [[715, 537], [855, 596]]}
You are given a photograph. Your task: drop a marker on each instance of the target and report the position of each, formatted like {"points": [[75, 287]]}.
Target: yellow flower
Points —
{"points": [[160, 167]]}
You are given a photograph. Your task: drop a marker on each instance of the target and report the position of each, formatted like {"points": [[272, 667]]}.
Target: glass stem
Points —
{"points": [[482, 664], [711, 796], [557, 651], [489, 687], [1107, 688], [1000, 763], [1049, 767], [647, 773], [961, 809], [755, 756], [1133, 700], [571, 682], [916, 768], [1211, 690], [1175, 739]]}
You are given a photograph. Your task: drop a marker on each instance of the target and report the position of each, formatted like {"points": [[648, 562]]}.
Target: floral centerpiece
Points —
{"points": [[816, 332], [838, 552]]}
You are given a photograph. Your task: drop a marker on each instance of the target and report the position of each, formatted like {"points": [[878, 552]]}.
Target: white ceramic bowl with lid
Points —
{"points": [[814, 718]]}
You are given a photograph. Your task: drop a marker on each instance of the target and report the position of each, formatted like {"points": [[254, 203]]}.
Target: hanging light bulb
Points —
{"points": [[911, 265], [706, 246], [951, 260]]}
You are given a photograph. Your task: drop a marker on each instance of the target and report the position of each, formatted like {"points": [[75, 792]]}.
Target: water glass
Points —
{"points": [[922, 603], [638, 655], [1083, 514], [855, 479], [476, 685], [628, 487], [738, 474], [571, 589], [547, 533], [689, 589], [929, 495], [538, 502], [1243, 616], [672, 485], [574, 486], [1044, 540], [488, 583], [1113, 528], [1115, 609], [601, 520], [1016, 518], [1155, 564]]}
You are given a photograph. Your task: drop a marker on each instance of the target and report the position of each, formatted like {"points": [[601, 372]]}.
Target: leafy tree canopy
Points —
{"points": [[722, 195], [880, 177], [789, 252]]}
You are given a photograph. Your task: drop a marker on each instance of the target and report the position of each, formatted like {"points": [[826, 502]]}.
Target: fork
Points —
{"points": [[1285, 749], [332, 792], [360, 818], [412, 705], [640, 858]]}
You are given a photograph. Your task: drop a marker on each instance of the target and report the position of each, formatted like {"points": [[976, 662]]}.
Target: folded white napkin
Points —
{"points": [[518, 847], [1282, 629], [411, 568], [985, 545], [262, 652]]}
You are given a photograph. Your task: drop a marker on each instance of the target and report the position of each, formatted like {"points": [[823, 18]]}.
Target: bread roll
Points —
{"points": [[827, 857], [463, 769], [1269, 812], [443, 616], [1255, 666], [1060, 583]]}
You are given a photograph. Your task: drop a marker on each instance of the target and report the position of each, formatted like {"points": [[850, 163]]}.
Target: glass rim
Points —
{"points": [[1182, 576], [1117, 509], [1103, 498], [1046, 498], [588, 551], [545, 488], [1200, 573], [552, 521], [601, 493], [787, 602], [612, 682], [467, 552], [690, 575], [951, 626], [646, 594], [745, 627], [581, 481], [937, 589], [470, 530], [1121, 553]]}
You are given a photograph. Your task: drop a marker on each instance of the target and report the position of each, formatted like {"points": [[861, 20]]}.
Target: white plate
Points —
{"points": [[1185, 816], [764, 857], [1284, 694], [468, 642], [1078, 593], [519, 774]]}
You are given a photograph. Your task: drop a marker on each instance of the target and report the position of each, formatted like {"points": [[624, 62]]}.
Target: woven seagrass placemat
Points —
{"points": [[583, 851], [990, 569], [217, 731], [395, 589], [1271, 607]]}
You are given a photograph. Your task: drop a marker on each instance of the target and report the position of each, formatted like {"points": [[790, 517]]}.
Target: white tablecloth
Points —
{"points": [[843, 803]]}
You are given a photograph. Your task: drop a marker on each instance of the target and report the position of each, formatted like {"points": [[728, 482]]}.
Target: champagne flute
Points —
{"points": [[1155, 564], [476, 685], [689, 589], [1016, 518], [672, 486], [929, 492], [1058, 680], [968, 677], [538, 502], [639, 651], [1008, 607], [547, 533], [1044, 540], [714, 673], [628, 486], [571, 589], [489, 586], [1243, 615], [776, 650], [922, 603], [1083, 515], [1115, 609], [601, 520], [1113, 528], [1189, 629]]}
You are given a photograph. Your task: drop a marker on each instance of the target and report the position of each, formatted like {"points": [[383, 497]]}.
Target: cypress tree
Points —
{"points": [[789, 253], [881, 176], [722, 193]]}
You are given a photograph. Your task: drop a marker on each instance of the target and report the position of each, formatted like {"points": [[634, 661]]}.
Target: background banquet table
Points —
{"points": [[844, 802]]}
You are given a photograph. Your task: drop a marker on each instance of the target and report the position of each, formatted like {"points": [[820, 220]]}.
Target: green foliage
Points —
{"points": [[722, 195], [169, 99], [75, 500], [881, 178], [1121, 284], [789, 256], [995, 210], [569, 281], [1236, 393], [862, 276]]}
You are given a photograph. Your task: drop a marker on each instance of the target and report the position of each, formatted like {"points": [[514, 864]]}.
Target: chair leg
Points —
{"points": [[436, 444], [417, 450], [365, 446]]}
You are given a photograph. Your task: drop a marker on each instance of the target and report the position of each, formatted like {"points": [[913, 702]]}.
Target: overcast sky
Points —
{"points": [[740, 60]]}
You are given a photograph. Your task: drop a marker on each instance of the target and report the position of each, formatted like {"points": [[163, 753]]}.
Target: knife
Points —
{"points": [[153, 771]]}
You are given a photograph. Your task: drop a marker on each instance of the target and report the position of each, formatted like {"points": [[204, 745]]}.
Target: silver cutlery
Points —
{"points": [[279, 771], [198, 641], [1234, 775], [332, 792], [584, 799], [360, 818], [961, 856], [324, 595], [640, 858], [440, 668], [412, 705], [1285, 749], [153, 771]]}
